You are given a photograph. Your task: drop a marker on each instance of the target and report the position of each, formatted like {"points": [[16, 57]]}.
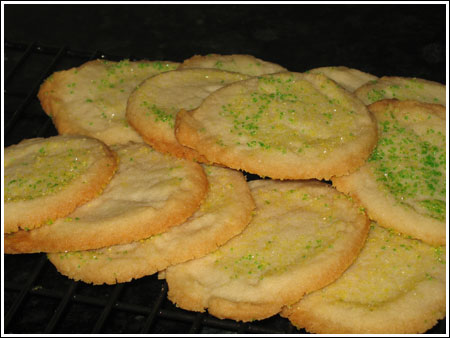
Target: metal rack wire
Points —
{"points": [[37, 299]]}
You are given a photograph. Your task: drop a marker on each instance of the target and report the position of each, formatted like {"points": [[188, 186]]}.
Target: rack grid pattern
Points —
{"points": [[37, 299]]}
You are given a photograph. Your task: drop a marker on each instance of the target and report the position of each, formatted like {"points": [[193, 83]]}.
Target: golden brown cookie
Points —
{"points": [[239, 63], [302, 237], [397, 285], [91, 99], [152, 108], [349, 78], [47, 178], [403, 184], [224, 213], [149, 193], [402, 88], [284, 125]]}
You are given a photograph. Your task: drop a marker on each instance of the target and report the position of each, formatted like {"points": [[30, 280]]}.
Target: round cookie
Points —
{"points": [[284, 126], [149, 193], [397, 285], [403, 184], [402, 88], [303, 235], [224, 213], [349, 78], [239, 63], [47, 178], [152, 108], [91, 99]]}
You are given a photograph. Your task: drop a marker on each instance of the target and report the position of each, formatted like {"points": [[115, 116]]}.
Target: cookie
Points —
{"points": [[284, 126], [303, 235], [349, 78], [396, 286], [403, 184], [47, 178], [402, 88], [91, 99], [239, 63], [225, 212], [152, 108], [148, 194]]}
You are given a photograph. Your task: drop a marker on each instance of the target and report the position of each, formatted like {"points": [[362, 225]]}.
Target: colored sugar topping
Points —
{"points": [[163, 96], [389, 266], [166, 115], [288, 114], [405, 89], [45, 171], [220, 193], [410, 161], [289, 228], [102, 89], [117, 82]]}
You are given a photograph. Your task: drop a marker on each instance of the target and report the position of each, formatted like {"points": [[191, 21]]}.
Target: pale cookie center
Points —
{"points": [[162, 98], [282, 236], [388, 267], [145, 180], [46, 172], [106, 96], [287, 114]]}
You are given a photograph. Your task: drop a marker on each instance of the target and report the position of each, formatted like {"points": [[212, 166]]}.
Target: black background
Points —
{"points": [[403, 40], [395, 40]]}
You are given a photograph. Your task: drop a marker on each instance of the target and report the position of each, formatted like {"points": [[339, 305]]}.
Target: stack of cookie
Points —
{"points": [[147, 176]]}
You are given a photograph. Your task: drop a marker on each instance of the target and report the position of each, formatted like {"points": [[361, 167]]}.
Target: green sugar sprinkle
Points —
{"points": [[162, 67], [143, 65], [278, 111], [376, 95], [159, 114], [436, 207], [411, 167], [45, 175]]}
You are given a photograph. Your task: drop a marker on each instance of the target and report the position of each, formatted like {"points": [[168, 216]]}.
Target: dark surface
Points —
{"points": [[402, 40]]}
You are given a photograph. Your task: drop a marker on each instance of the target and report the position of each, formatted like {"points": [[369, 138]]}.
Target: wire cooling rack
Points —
{"points": [[37, 299]]}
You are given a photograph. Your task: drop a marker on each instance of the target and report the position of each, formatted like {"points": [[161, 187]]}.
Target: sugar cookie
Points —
{"points": [[149, 193], [403, 185], [284, 126], [239, 63], [396, 286], [224, 213], [402, 88], [153, 107], [302, 237], [47, 178], [91, 99], [349, 78]]}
